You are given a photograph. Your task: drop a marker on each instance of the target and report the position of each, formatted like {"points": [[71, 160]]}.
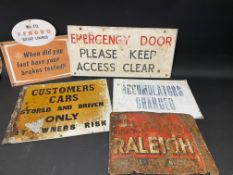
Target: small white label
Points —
{"points": [[172, 96], [33, 32]]}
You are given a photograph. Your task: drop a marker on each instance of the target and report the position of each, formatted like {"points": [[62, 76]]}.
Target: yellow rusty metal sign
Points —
{"points": [[58, 110]]}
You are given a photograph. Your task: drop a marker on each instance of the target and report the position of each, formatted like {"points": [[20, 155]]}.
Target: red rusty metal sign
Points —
{"points": [[154, 143]]}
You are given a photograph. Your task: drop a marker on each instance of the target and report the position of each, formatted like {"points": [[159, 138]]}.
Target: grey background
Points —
{"points": [[204, 56]]}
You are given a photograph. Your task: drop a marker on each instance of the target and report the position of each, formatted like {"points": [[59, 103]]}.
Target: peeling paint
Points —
{"points": [[35, 126], [58, 110], [157, 143]]}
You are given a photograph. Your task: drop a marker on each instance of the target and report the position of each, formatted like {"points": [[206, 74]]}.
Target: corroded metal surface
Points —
{"points": [[56, 110], [154, 143]]}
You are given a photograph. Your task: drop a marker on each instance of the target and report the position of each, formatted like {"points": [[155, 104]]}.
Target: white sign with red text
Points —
{"points": [[121, 51], [33, 32]]}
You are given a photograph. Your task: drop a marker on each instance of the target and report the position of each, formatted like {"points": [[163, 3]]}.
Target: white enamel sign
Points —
{"points": [[170, 96], [33, 32], [121, 51]]}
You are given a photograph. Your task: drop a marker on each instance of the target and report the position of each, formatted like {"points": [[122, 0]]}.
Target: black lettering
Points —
{"points": [[131, 54]]}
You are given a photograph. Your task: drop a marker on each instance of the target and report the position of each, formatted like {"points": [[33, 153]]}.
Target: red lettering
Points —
{"points": [[72, 38], [161, 41], [168, 40], [97, 41], [91, 39], [143, 40], [127, 39], [105, 41], [152, 41], [112, 39], [85, 39]]}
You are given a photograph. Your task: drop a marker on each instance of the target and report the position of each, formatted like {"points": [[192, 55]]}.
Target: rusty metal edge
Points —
{"points": [[207, 157], [14, 115], [211, 166], [6, 139]]}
